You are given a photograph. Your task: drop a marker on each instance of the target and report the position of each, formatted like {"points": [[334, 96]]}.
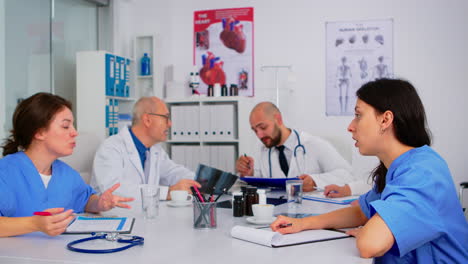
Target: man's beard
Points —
{"points": [[275, 139]]}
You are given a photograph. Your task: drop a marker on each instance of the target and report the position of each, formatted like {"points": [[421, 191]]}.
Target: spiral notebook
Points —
{"points": [[269, 238]]}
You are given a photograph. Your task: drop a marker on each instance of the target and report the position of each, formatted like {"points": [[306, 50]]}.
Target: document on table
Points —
{"points": [[319, 197], [86, 225], [274, 239]]}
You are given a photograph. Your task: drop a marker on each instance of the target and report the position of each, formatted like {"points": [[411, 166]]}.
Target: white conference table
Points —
{"points": [[172, 239]]}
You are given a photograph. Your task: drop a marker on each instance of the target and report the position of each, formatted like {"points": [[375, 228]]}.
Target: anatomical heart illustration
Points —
{"points": [[223, 48], [232, 35], [212, 70]]}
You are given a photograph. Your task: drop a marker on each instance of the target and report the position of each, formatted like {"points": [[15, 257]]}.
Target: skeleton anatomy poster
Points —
{"points": [[357, 52], [223, 48]]}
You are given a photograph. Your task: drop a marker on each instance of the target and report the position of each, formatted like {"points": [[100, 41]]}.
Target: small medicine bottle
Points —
{"points": [[250, 198], [224, 90], [238, 205], [210, 91], [217, 90]]}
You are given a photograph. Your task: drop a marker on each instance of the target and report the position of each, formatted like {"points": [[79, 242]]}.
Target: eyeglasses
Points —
{"points": [[167, 117]]}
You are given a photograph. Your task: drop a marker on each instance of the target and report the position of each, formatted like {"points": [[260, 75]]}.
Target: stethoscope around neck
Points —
{"points": [[298, 146]]}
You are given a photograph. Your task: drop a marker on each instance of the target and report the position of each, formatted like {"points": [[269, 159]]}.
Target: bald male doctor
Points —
{"points": [[290, 153], [133, 157]]}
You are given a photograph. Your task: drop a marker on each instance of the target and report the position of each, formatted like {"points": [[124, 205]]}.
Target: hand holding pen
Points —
{"points": [[53, 221], [334, 191], [286, 225], [245, 165]]}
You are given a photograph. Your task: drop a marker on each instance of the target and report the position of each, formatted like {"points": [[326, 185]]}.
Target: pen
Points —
{"points": [[199, 194], [248, 163], [195, 194], [42, 213], [224, 190], [285, 225]]}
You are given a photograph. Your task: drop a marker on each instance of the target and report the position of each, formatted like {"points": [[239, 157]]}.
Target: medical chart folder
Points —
{"points": [[87, 225], [266, 237]]}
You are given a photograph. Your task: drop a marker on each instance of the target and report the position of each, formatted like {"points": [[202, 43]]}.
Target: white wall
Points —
{"points": [[430, 38]]}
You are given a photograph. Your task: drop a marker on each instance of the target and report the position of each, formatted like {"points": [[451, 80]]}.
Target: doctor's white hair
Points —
{"points": [[142, 106]]}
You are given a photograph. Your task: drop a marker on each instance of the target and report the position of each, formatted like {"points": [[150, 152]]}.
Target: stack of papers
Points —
{"points": [[319, 197], [87, 225], [269, 238]]}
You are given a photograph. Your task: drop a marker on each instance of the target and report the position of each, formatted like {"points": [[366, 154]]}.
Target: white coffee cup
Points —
{"points": [[181, 196], [263, 212]]}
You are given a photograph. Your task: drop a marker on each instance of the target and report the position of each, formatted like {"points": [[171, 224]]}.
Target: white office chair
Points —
{"points": [[82, 158]]}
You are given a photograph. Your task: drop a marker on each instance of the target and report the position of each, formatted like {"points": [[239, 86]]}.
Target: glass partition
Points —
{"points": [[38, 43], [74, 28], [27, 51]]}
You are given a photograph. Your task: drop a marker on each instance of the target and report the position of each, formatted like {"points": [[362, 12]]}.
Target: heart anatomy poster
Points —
{"points": [[223, 48], [357, 52]]}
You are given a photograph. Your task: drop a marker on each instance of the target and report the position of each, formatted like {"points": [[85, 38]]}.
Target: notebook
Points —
{"points": [[87, 225], [266, 237]]}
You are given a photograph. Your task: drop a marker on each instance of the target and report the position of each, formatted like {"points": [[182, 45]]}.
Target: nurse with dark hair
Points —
{"points": [[412, 214]]}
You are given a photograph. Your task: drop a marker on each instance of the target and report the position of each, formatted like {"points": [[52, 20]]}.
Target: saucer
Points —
{"points": [[254, 221], [179, 204]]}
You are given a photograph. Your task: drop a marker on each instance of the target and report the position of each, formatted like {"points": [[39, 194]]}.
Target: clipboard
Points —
{"points": [[88, 225]]}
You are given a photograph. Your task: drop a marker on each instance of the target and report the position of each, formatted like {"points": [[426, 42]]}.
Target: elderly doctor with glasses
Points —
{"points": [[134, 157]]}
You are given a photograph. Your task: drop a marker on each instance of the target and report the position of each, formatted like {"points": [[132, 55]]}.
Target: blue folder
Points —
{"points": [[279, 183]]}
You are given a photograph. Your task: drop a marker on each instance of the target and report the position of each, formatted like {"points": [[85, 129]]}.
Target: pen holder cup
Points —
{"points": [[204, 215]]}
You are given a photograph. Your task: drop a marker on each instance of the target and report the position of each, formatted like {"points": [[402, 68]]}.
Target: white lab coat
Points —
{"points": [[117, 160], [321, 161]]}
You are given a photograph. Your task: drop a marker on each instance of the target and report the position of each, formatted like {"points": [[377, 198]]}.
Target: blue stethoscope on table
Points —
{"points": [[130, 242], [298, 146]]}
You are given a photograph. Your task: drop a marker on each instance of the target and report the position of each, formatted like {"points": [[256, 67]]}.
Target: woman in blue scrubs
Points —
{"points": [[412, 214], [33, 180]]}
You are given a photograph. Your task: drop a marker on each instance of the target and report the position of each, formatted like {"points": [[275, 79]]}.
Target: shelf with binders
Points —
{"points": [[218, 155], [203, 121], [212, 131], [105, 92]]}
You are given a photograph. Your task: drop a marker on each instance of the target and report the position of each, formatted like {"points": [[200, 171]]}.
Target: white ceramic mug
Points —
{"points": [[263, 212], [181, 196]]}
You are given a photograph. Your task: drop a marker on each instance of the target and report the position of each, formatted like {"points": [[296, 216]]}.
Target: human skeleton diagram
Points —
{"points": [[381, 69], [343, 83]]}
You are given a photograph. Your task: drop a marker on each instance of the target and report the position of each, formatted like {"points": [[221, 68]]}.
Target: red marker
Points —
{"points": [[42, 213]]}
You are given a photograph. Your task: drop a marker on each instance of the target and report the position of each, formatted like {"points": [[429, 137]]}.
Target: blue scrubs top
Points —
{"points": [[22, 191], [420, 206]]}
